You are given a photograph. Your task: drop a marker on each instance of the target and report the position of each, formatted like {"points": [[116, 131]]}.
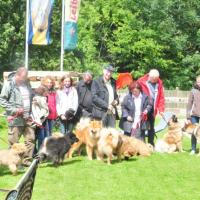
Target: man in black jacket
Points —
{"points": [[105, 98], [85, 96]]}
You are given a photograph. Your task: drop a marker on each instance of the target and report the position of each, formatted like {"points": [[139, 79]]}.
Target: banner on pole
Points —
{"points": [[70, 27], [39, 21]]}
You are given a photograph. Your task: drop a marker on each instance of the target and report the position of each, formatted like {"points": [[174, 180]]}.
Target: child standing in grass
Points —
{"points": [[40, 112], [193, 110]]}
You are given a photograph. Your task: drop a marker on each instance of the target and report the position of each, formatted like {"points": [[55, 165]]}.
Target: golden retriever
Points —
{"points": [[88, 133]]}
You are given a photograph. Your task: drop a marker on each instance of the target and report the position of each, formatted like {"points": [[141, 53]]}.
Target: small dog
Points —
{"points": [[54, 148], [193, 129], [88, 133], [13, 157], [172, 140], [109, 143]]}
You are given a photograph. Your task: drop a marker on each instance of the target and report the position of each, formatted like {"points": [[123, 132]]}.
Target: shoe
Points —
{"points": [[192, 152]]}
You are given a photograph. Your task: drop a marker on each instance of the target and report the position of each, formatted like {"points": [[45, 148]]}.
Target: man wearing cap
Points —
{"points": [[85, 96], [105, 98], [153, 87]]}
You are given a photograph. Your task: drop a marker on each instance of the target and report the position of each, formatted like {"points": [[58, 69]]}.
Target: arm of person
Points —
{"points": [[96, 93], [189, 105], [4, 100]]}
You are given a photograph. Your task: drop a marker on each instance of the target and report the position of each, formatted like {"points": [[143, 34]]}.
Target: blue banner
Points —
{"points": [[39, 21], [70, 27]]}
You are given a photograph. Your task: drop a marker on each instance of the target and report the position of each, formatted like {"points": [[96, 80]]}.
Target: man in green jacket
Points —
{"points": [[16, 98]]}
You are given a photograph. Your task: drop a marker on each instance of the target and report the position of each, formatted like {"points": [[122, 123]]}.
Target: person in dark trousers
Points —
{"points": [[105, 98], [193, 110], [85, 96], [152, 86]]}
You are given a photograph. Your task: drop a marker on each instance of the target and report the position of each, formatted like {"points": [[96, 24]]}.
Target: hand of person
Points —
{"points": [[19, 111], [63, 117], [144, 116], [129, 118], [110, 107], [188, 121], [114, 103], [162, 114]]}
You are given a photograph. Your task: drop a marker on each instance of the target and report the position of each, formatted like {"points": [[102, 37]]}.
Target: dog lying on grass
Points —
{"points": [[54, 148], [13, 157], [172, 140], [112, 142], [88, 133]]}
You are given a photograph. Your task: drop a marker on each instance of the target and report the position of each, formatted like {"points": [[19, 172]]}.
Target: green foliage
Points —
{"points": [[133, 35]]}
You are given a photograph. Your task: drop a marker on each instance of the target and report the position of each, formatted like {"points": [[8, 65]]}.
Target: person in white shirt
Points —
{"points": [[66, 104]]}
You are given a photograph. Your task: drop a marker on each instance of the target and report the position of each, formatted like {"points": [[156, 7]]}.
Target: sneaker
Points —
{"points": [[192, 152]]}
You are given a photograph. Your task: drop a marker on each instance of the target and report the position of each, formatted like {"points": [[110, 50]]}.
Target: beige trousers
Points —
{"points": [[15, 132]]}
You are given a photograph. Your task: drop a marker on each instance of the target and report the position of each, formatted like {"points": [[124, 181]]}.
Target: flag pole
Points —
{"points": [[27, 33], [62, 36]]}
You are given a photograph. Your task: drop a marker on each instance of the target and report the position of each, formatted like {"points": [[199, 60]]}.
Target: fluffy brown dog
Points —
{"points": [[88, 133], [172, 140], [132, 146], [174, 134], [109, 143], [13, 157]]}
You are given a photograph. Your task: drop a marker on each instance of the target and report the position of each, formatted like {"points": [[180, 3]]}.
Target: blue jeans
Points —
{"points": [[66, 126], [41, 133], [194, 120], [49, 127]]}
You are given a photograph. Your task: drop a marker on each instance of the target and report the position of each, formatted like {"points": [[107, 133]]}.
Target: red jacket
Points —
{"points": [[52, 105], [159, 104]]}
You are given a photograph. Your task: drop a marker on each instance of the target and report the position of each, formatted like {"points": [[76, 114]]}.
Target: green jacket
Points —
{"points": [[11, 100]]}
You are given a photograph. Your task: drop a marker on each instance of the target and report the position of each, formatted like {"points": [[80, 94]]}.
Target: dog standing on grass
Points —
{"points": [[13, 157], [54, 148], [88, 133]]}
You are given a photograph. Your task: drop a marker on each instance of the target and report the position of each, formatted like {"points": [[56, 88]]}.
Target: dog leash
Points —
{"points": [[3, 140], [4, 190]]}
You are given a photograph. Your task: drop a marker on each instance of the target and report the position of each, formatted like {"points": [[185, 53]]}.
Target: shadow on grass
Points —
{"points": [[66, 162], [5, 171]]}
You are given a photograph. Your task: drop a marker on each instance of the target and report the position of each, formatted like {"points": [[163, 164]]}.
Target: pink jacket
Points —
{"points": [[52, 105], [159, 105]]}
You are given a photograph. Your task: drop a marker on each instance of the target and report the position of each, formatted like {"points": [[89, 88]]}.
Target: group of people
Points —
{"points": [[33, 113]]}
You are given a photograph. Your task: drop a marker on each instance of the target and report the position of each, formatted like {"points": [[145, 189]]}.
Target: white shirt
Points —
{"points": [[138, 102]]}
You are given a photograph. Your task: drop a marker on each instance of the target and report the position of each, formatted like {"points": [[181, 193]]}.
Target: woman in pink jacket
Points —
{"points": [[51, 100]]}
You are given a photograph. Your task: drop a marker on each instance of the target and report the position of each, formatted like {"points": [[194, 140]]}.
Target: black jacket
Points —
{"points": [[84, 96], [100, 97]]}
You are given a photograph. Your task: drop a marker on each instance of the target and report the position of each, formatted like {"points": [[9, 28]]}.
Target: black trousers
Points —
{"points": [[151, 131]]}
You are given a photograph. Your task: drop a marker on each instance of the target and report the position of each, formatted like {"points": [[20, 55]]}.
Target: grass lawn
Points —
{"points": [[158, 177]]}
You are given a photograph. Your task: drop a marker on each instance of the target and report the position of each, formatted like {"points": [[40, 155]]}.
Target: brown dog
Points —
{"points": [[109, 143], [172, 140], [88, 133], [132, 146], [13, 157]]}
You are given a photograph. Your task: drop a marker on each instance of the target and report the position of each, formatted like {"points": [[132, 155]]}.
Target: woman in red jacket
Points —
{"points": [[152, 86], [51, 100]]}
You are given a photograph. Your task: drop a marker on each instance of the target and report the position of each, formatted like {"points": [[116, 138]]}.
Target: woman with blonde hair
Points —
{"points": [[66, 104]]}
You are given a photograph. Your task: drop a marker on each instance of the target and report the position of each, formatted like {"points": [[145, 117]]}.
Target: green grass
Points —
{"points": [[158, 177]]}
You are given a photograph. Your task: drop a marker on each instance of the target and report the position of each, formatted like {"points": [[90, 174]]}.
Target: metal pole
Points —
{"points": [[62, 36], [27, 33]]}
